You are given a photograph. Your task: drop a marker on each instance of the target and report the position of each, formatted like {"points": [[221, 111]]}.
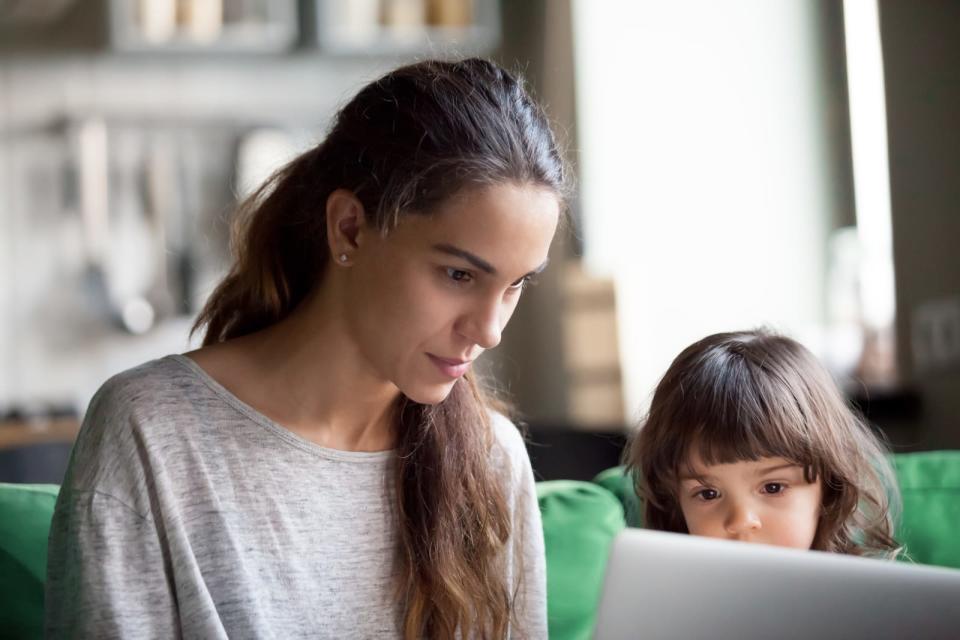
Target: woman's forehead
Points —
{"points": [[501, 225]]}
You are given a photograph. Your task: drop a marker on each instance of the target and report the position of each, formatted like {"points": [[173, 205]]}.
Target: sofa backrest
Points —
{"points": [[930, 519], [25, 514], [580, 520]]}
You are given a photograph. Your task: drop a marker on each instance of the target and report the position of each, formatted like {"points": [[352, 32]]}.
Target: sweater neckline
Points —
{"points": [[274, 427]]}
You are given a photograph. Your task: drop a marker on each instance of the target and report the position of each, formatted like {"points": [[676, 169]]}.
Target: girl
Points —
{"points": [[748, 438], [327, 465]]}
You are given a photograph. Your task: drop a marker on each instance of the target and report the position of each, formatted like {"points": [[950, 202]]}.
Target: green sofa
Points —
{"points": [[580, 520]]}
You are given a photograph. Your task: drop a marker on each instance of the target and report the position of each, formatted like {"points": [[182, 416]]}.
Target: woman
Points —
{"points": [[326, 464]]}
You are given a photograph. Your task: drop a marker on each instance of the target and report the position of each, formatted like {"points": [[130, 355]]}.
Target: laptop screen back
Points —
{"points": [[667, 585]]}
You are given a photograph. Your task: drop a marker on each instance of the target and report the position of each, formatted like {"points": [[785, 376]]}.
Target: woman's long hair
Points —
{"points": [[403, 145], [752, 394]]}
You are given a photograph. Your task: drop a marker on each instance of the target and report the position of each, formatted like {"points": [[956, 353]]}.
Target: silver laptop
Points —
{"points": [[668, 585]]}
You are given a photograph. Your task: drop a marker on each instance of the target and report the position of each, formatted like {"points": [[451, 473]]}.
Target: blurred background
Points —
{"points": [[782, 163]]}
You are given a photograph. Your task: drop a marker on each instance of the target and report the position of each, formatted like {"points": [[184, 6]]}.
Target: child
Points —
{"points": [[748, 438]]}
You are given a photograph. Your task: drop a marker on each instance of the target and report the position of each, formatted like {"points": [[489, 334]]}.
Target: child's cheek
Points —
{"points": [[799, 525]]}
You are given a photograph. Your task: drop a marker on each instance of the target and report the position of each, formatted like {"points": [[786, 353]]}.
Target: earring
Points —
{"points": [[343, 257]]}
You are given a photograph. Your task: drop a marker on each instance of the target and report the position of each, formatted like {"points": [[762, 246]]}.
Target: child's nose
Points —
{"points": [[741, 519]]}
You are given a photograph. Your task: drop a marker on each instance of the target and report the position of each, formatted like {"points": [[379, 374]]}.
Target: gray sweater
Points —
{"points": [[186, 513]]}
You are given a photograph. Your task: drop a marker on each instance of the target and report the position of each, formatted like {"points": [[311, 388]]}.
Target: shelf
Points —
{"points": [[341, 30], [231, 27]]}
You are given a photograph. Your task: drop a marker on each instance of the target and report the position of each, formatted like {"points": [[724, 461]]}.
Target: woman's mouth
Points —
{"points": [[450, 367]]}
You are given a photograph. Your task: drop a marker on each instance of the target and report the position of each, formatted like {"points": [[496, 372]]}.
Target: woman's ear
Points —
{"points": [[345, 225]]}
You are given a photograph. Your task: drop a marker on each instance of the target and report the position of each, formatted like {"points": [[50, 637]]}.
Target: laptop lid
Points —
{"points": [[667, 585]]}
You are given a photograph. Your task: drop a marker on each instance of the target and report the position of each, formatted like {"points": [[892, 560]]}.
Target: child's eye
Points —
{"points": [[707, 494], [774, 488], [459, 275]]}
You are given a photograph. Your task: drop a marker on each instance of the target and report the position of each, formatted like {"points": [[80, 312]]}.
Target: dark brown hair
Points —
{"points": [[752, 394], [403, 145]]}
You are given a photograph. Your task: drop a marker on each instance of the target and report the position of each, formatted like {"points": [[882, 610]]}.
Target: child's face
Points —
{"points": [[766, 501]]}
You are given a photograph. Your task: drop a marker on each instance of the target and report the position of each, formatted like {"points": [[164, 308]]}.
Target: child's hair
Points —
{"points": [[752, 394]]}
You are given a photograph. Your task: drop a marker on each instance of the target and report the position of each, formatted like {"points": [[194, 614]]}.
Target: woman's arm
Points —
{"points": [[526, 556], [106, 573], [529, 551]]}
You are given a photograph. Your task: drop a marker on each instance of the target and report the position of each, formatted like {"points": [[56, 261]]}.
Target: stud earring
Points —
{"points": [[343, 257]]}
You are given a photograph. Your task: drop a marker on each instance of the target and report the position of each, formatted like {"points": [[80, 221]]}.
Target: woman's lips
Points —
{"points": [[450, 367]]}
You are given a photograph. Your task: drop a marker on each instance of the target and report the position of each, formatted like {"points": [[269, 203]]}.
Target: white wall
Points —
{"points": [[707, 189]]}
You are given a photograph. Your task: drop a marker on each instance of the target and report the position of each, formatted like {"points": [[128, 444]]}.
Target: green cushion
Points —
{"points": [[930, 485], [616, 481], [580, 520], [25, 513]]}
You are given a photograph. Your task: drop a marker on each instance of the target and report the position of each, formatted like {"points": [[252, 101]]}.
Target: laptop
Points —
{"points": [[668, 585]]}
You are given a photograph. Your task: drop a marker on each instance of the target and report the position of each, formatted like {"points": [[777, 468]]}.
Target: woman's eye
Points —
{"points": [[459, 275], [707, 494], [774, 488], [522, 283]]}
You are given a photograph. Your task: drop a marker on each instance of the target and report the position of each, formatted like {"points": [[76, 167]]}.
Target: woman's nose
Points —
{"points": [[483, 325]]}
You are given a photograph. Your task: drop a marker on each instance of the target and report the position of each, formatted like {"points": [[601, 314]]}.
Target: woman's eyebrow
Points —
{"points": [[479, 262], [472, 258]]}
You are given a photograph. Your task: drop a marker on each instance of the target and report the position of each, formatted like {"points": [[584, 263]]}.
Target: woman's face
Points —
{"points": [[426, 300]]}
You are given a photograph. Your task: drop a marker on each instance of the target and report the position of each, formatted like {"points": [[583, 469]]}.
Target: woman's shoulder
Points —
{"points": [[510, 449], [160, 392], [507, 434], [155, 391], [115, 430], [143, 383], [133, 408]]}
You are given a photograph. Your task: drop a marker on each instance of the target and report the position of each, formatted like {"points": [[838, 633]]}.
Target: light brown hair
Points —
{"points": [[403, 145], [752, 394]]}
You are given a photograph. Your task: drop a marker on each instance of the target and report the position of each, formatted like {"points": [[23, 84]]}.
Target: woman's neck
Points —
{"points": [[306, 374]]}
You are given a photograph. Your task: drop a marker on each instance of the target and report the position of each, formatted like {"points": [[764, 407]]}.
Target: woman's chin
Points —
{"points": [[429, 394]]}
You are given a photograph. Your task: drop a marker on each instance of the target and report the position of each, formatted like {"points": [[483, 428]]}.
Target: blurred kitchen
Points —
{"points": [[790, 163]]}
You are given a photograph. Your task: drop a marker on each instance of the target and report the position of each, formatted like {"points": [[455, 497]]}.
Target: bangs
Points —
{"points": [[738, 442]]}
